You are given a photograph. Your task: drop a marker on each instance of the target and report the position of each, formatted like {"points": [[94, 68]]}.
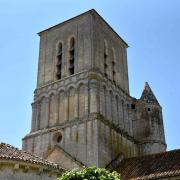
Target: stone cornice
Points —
{"points": [[81, 77], [152, 141]]}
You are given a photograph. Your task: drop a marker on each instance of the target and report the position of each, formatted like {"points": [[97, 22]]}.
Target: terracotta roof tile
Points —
{"points": [[9, 152], [151, 166]]}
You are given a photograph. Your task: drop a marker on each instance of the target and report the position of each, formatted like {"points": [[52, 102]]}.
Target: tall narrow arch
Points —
{"points": [[113, 65], [59, 61], [59, 47], [105, 47], [71, 55], [105, 58], [72, 43]]}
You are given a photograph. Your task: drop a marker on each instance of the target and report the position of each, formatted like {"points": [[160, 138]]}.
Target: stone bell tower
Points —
{"points": [[82, 112]]}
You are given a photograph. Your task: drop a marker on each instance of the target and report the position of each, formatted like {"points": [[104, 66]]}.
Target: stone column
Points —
{"points": [[130, 115], [101, 102], [121, 114], [37, 126], [56, 116], [76, 103], [65, 61], [86, 94], [107, 107], [66, 111], [113, 109], [33, 121], [46, 115], [94, 97], [126, 118]]}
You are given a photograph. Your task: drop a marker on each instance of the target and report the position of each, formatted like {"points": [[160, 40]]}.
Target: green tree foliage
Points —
{"points": [[90, 173]]}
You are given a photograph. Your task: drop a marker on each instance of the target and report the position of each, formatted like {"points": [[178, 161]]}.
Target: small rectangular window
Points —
{"points": [[133, 106]]}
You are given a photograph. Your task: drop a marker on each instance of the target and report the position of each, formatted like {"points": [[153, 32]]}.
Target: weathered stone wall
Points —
{"points": [[79, 139], [90, 141], [80, 29], [60, 102], [92, 38], [149, 128], [105, 41], [79, 102], [11, 171], [112, 143], [9, 174], [77, 97], [59, 156]]}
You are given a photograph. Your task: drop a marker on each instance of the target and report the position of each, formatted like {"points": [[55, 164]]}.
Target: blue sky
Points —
{"points": [[150, 27]]}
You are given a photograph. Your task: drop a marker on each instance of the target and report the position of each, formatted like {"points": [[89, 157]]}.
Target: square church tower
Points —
{"points": [[82, 112]]}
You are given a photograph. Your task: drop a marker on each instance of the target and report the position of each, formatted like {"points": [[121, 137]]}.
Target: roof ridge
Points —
{"points": [[154, 155]]}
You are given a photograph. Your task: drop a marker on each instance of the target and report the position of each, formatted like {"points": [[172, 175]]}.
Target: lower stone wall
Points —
{"points": [[38, 143], [112, 143], [152, 148], [78, 139], [9, 172], [93, 142]]}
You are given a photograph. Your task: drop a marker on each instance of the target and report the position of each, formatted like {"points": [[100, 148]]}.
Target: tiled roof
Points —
{"points": [[8, 152], [159, 165]]}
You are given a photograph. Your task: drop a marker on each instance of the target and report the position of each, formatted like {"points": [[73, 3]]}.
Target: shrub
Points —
{"points": [[90, 173]]}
